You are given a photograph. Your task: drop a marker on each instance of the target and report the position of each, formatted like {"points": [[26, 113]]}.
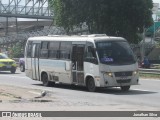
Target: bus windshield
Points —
{"points": [[115, 53]]}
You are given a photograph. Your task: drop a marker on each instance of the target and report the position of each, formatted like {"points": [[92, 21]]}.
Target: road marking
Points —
{"points": [[150, 79], [13, 76], [142, 90], [37, 93]]}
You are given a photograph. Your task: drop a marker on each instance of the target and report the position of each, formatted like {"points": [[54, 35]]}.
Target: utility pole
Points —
{"points": [[154, 32], [143, 45]]}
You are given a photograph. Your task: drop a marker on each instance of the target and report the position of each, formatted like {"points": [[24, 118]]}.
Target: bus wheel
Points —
{"points": [[125, 88], [45, 80], [91, 85]]}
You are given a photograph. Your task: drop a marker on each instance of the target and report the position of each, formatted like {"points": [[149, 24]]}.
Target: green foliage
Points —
{"points": [[146, 75], [158, 45], [123, 18], [158, 38], [15, 51]]}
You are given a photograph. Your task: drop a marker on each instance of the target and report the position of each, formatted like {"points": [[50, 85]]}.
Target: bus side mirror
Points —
{"points": [[67, 66], [94, 60]]}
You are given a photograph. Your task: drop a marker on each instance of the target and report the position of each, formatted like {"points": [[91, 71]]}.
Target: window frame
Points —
{"points": [[93, 59], [42, 49], [68, 50], [51, 49], [29, 49]]}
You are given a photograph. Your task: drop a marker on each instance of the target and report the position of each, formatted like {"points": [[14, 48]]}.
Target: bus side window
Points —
{"points": [[44, 50], [91, 54], [29, 49], [37, 51], [65, 50], [54, 49]]}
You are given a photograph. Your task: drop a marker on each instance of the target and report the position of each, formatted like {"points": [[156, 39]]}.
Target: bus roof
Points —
{"points": [[91, 38]]}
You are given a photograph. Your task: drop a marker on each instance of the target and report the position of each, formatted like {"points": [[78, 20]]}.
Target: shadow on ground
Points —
{"points": [[115, 90], [7, 72]]}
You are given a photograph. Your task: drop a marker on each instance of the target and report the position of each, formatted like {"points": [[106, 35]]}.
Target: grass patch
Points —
{"points": [[146, 75], [157, 66]]}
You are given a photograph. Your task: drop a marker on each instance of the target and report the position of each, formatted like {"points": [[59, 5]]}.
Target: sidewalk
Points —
{"points": [[12, 94], [22, 99]]}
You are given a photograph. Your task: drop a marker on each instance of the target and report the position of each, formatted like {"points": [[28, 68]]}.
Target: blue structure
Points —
{"points": [[151, 30]]}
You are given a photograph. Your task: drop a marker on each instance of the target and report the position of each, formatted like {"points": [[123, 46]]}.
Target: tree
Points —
{"points": [[124, 18], [15, 51]]}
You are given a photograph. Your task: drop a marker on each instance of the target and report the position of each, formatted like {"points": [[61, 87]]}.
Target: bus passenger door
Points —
{"points": [[35, 61], [78, 64]]}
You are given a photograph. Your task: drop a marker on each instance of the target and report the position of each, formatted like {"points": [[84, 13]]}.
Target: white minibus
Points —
{"points": [[87, 60]]}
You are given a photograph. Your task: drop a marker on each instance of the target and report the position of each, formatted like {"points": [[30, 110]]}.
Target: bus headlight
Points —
{"points": [[109, 74], [135, 72]]}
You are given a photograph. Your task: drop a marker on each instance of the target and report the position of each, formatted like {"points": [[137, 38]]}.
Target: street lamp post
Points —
{"points": [[154, 32], [143, 45]]}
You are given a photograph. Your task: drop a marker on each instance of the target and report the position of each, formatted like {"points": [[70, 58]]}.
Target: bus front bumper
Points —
{"points": [[112, 81]]}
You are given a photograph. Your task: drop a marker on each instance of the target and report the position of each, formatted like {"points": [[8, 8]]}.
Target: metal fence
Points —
{"points": [[26, 9]]}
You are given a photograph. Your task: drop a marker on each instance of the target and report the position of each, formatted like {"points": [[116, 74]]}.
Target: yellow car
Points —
{"points": [[7, 64]]}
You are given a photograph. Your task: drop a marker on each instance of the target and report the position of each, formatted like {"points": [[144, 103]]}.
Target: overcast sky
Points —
{"points": [[21, 3], [156, 1]]}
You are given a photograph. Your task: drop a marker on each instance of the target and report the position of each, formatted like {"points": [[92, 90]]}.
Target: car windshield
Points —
{"points": [[3, 56], [115, 52]]}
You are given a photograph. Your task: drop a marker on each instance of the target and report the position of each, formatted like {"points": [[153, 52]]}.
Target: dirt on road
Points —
{"points": [[14, 98], [18, 98]]}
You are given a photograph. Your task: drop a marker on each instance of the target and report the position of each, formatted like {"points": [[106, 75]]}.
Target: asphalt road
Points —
{"points": [[145, 96]]}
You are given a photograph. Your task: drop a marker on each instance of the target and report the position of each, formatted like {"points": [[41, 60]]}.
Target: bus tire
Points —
{"points": [[125, 88], [45, 80], [91, 85]]}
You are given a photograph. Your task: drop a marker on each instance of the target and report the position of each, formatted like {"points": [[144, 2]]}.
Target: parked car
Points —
{"points": [[22, 64], [7, 64]]}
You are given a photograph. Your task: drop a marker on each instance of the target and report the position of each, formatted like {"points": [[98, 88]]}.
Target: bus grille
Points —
{"points": [[121, 74]]}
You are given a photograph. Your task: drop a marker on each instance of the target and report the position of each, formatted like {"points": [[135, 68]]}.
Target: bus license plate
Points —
{"points": [[124, 78]]}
